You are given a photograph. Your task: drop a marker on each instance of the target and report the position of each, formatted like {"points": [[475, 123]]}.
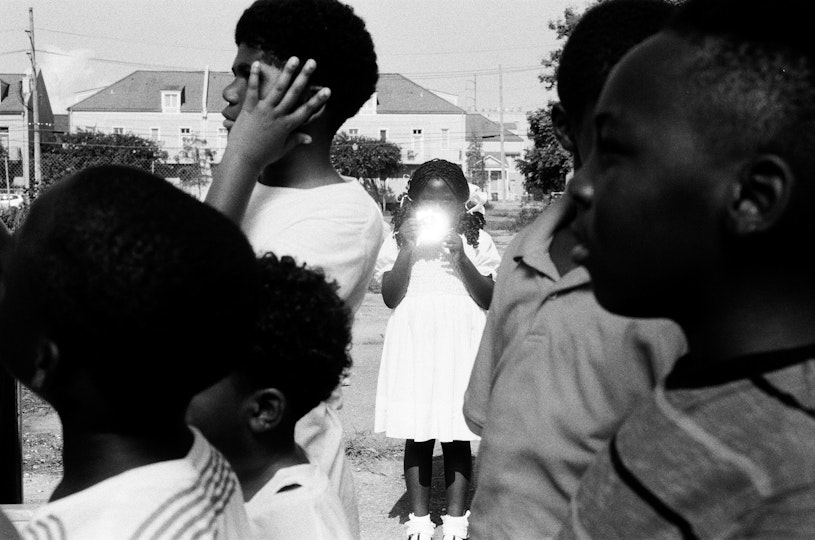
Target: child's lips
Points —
{"points": [[228, 123]]}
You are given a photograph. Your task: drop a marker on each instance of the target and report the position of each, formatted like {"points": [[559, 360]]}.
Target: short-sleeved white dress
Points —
{"points": [[430, 345]]}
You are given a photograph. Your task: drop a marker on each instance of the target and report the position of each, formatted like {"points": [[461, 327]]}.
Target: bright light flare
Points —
{"points": [[434, 225]]}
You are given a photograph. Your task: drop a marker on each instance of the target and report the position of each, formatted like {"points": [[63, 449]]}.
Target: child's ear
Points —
{"points": [[562, 128], [269, 407], [761, 195], [46, 366]]}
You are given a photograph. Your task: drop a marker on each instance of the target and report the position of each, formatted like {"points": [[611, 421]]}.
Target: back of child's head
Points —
{"points": [[327, 31], [302, 336], [146, 293], [752, 85], [468, 223], [601, 37]]}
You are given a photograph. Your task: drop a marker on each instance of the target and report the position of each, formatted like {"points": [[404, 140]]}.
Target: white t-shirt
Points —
{"points": [[311, 511], [337, 227], [194, 497]]}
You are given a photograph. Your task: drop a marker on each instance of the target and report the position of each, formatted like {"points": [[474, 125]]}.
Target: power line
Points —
{"points": [[468, 51], [119, 62], [137, 41]]}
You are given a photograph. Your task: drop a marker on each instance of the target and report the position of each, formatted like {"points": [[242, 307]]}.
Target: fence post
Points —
{"points": [[11, 462]]}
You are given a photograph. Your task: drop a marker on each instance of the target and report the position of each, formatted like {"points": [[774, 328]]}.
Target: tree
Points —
{"points": [[369, 160], [546, 164], [76, 151], [475, 162], [563, 29]]}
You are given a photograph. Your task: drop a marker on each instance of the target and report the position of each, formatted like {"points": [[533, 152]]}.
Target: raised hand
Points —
{"points": [[266, 128]]}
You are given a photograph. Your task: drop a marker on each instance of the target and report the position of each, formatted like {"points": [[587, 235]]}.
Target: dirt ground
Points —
{"points": [[376, 460]]}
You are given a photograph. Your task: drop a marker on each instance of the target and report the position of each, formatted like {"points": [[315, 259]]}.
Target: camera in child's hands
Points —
{"points": [[434, 225]]}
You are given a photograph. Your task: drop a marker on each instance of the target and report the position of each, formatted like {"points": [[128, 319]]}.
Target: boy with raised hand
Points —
{"points": [[300, 353], [106, 285], [556, 373], [298, 204], [699, 205]]}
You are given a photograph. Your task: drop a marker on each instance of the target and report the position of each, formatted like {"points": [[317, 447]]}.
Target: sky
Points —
{"points": [[452, 46]]}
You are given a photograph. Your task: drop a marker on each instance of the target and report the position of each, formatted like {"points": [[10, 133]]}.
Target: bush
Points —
{"points": [[527, 215], [13, 216]]}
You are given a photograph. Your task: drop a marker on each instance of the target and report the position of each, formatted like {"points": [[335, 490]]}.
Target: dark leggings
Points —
{"points": [[419, 472]]}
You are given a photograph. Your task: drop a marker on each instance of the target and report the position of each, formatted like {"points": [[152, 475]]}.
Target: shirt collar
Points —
{"points": [[533, 249]]}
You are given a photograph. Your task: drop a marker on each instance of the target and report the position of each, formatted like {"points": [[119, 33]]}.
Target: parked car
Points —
{"points": [[10, 200]]}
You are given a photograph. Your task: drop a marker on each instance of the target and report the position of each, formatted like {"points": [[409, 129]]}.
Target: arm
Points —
{"points": [[395, 282], [263, 133], [479, 286]]}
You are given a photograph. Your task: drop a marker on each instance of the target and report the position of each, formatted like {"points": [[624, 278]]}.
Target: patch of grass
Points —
{"points": [[363, 448]]}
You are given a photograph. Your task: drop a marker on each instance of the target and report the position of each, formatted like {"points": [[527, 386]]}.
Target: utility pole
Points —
{"points": [[504, 182], [475, 92], [35, 103]]}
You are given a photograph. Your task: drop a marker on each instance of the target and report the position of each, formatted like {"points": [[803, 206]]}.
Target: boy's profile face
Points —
{"points": [[235, 92], [649, 196]]}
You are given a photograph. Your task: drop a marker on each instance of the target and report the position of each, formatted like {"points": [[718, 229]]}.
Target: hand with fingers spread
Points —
{"points": [[265, 130], [273, 111]]}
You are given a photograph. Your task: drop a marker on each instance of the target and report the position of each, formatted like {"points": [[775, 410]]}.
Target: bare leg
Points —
{"points": [[418, 473], [458, 467]]}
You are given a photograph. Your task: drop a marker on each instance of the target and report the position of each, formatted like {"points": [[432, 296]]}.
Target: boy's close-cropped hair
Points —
{"points": [[302, 335], [752, 83], [143, 291], [602, 36], [327, 31]]}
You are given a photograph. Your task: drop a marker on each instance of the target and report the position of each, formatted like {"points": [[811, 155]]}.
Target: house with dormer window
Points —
{"points": [[173, 106], [169, 107], [17, 125]]}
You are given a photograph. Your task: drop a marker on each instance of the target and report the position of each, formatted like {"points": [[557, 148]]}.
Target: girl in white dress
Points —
{"points": [[437, 275]]}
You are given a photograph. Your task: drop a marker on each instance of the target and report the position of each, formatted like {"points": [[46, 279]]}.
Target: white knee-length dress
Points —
{"points": [[431, 341]]}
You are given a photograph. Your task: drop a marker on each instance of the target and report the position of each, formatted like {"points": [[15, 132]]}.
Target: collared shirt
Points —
{"points": [[711, 455], [554, 377], [197, 496]]}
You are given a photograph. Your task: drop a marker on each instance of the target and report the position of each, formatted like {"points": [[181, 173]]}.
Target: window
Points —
{"points": [[170, 101], [118, 131], [383, 135], [154, 134], [4, 140], [417, 143], [184, 133], [353, 132], [445, 139]]}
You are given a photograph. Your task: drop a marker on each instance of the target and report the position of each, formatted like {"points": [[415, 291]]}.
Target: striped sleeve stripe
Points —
{"points": [[787, 399], [218, 509], [48, 528], [662, 509], [216, 483], [206, 516], [757, 476], [152, 518]]}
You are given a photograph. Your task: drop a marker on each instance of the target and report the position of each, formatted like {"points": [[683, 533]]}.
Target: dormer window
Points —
{"points": [[171, 99]]}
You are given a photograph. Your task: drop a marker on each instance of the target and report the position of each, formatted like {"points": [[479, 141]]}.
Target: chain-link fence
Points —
{"points": [[16, 193]]}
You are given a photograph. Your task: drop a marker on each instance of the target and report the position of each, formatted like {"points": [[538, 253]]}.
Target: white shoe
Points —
{"points": [[455, 527], [419, 528]]}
